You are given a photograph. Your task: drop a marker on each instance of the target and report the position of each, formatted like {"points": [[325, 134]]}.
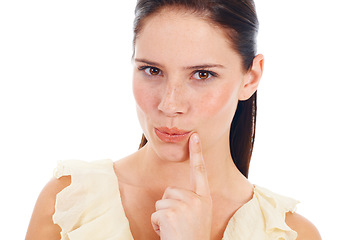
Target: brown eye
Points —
{"points": [[151, 71], [203, 75], [154, 71]]}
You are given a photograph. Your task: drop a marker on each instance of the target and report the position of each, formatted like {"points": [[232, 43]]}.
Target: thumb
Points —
{"points": [[198, 175]]}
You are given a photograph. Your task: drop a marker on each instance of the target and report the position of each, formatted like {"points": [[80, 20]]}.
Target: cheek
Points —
{"points": [[146, 102], [144, 96], [220, 103], [217, 111]]}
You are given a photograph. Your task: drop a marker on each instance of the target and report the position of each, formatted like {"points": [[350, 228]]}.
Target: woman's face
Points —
{"points": [[187, 79]]}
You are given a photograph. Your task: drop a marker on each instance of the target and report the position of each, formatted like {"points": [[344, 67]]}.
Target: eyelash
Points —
{"points": [[211, 73], [143, 68]]}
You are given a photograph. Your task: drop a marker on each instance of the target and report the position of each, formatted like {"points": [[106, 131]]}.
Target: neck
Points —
{"points": [[221, 170]]}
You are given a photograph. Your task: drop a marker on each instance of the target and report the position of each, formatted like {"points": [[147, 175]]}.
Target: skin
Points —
{"points": [[190, 189]]}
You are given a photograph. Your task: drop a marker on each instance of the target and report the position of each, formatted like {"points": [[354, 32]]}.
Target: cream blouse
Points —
{"points": [[90, 208]]}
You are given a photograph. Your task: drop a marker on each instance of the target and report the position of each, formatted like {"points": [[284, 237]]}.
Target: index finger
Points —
{"points": [[198, 175]]}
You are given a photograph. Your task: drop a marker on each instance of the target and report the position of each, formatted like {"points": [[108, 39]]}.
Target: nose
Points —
{"points": [[173, 100]]}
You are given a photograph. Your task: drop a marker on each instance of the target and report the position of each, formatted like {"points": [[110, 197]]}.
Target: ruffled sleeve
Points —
{"points": [[263, 217], [90, 207]]}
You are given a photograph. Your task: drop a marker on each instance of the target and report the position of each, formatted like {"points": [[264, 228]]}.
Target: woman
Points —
{"points": [[195, 78]]}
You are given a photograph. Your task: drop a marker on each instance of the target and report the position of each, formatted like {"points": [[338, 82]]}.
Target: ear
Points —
{"points": [[252, 78]]}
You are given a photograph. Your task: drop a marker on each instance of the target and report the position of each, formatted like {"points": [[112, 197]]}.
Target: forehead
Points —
{"points": [[184, 37]]}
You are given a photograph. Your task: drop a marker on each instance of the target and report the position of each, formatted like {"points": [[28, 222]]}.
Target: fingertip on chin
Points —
{"points": [[195, 145], [195, 138]]}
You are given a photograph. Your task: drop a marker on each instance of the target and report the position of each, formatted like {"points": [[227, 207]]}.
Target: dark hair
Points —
{"points": [[239, 20]]}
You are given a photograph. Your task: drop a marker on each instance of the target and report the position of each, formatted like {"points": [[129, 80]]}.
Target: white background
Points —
{"points": [[65, 93]]}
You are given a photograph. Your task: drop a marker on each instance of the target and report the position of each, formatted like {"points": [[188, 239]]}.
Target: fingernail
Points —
{"points": [[195, 138]]}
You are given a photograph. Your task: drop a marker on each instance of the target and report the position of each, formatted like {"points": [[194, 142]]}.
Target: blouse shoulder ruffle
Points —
{"points": [[90, 207], [263, 217]]}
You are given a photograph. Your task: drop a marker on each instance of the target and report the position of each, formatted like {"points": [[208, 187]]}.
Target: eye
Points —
{"points": [[153, 71], [203, 75]]}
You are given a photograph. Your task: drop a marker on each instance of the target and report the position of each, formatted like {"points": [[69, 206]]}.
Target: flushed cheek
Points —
{"points": [[146, 102], [219, 102], [216, 111]]}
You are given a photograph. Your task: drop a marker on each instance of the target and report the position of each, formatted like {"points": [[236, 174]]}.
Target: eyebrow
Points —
{"points": [[148, 62], [201, 66]]}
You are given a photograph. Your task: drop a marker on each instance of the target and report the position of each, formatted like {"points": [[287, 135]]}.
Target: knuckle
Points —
{"points": [[154, 216], [196, 149], [197, 201], [170, 214], [157, 204], [168, 191], [200, 168], [201, 202]]}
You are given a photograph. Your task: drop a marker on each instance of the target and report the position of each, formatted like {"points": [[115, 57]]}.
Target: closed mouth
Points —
{"points": [[172, 135]]}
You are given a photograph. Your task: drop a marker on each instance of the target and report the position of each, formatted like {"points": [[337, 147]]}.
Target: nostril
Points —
{"points": [[170, 109], [172, 104]]}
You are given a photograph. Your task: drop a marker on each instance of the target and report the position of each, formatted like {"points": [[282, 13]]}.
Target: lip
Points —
{"points": [[172, 135]]}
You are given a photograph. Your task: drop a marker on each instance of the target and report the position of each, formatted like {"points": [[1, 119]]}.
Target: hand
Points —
{"points": [[184, 214]]}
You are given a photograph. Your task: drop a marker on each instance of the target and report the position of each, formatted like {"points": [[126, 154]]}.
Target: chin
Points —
{"points": [[172, 152]]}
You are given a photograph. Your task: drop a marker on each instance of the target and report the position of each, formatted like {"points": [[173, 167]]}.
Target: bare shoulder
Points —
{"points": [[304, 228], [41, 224]]}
